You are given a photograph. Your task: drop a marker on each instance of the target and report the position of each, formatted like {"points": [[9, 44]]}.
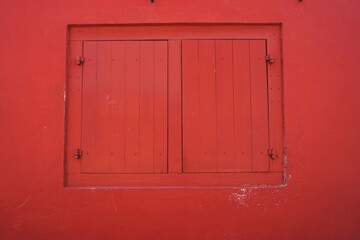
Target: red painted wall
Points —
{"points": [[322, 127]]}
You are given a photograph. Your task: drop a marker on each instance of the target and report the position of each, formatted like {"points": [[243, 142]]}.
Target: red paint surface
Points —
{"points": [[322, 129], [126, 106], [211, 99]]}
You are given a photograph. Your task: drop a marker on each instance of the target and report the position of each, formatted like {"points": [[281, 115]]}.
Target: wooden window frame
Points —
{"points": [[173, 34]]}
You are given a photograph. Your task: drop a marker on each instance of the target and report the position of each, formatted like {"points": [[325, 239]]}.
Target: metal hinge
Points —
{"points": [[78, 153], [272, 153], [80, 60], [270, 59]]}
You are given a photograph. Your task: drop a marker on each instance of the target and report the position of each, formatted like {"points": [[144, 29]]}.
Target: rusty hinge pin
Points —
{"points": [[272, 153], [78, 153], [79, 60], [270, 59]]}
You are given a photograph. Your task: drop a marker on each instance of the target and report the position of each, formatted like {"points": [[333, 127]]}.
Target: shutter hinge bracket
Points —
{"points": [[78, 153], [80, 60], [270, 59], [272, 153]]}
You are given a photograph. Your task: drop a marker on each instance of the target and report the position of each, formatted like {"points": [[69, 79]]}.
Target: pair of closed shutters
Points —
{"points": [[224, 107]]}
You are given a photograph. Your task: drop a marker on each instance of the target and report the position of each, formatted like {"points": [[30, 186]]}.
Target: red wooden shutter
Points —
{"points": [[225, 106], [124, 107]]}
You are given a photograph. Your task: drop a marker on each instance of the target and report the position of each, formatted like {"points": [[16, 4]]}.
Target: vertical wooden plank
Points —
{"points": [[225, 106], [132, 107], [117, 132], [73, 107], [160, 107], [259, 106], [242, 106], [103, 106], [174, 108], [190, 73], [88, 161], [146, 106], [207, 107], [96, 108]]}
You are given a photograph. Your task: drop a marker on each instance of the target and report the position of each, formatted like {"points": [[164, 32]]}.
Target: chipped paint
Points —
{"points": [[241, 196]]}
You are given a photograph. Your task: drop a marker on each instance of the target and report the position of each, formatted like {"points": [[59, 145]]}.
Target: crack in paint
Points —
{"points": [[24, 203], [113, 201]]}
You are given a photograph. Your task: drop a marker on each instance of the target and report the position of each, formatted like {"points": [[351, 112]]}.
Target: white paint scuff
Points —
{"points": [[241, 196]]}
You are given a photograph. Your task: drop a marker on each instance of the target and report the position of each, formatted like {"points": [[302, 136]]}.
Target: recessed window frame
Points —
{"points": [[173, 34]]}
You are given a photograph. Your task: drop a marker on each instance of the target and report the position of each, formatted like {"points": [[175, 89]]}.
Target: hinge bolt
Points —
{"points": [[270, 59], [78, 153], [272, 153], [79, 60]]}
